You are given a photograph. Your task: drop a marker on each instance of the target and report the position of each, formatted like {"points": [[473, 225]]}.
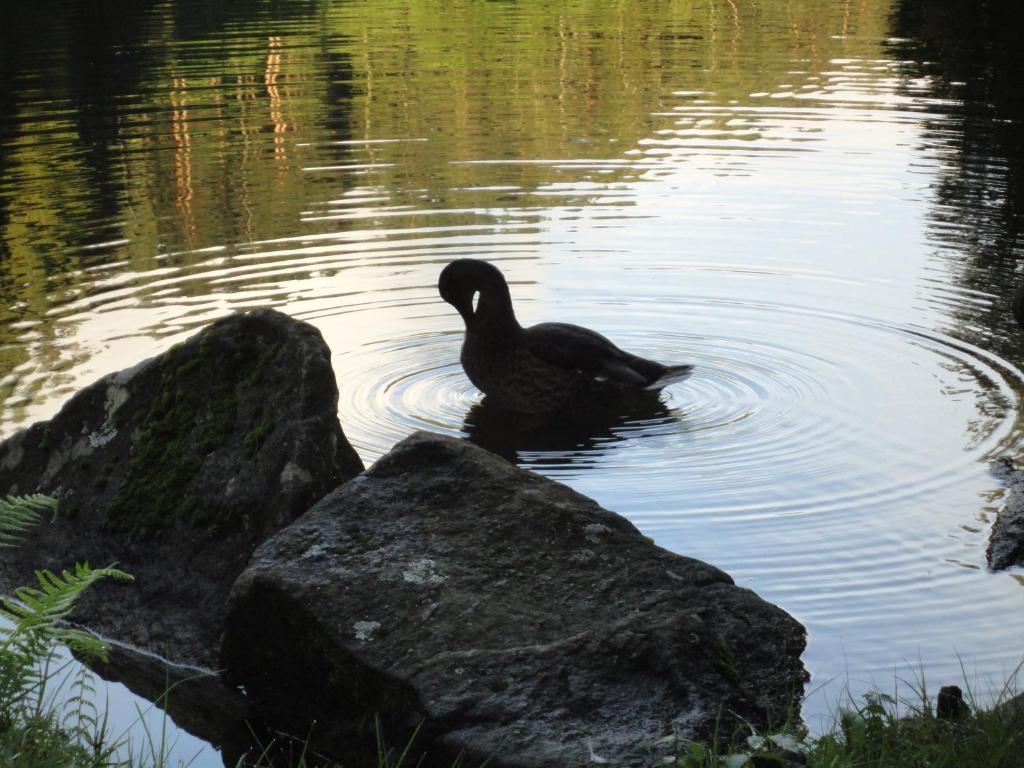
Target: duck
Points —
{"points": [[546, 369]]}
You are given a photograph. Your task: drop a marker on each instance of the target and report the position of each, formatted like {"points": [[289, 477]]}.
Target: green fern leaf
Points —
{"points": [[81, 716], [36, 613], [20, 513]]}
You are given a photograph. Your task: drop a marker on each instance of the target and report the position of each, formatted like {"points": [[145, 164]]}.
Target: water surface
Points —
{"points": [[813, 202]]}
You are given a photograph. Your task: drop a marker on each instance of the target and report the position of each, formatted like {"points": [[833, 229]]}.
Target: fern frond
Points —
{"points": [[36, 613], [38, 677], [81, 716], [19, 513]]}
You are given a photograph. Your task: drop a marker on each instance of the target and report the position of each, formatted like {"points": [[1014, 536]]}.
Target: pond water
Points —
{"points": [[814, 202]]}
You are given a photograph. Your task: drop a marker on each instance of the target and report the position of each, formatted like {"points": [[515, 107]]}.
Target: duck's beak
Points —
{"points": [[463, 302], [465, 306]]}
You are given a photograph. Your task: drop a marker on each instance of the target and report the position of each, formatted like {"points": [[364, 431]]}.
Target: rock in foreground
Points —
{"points": [[515, 617], [176, 469], [1006, 543]]}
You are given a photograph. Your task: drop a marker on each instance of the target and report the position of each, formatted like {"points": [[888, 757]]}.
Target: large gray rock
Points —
{"points": [[176, 469], [515, 617], [1006, 542]]}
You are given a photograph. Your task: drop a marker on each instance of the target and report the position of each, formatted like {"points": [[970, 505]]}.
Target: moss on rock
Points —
{"points": [[176, 468], [195, 413]]}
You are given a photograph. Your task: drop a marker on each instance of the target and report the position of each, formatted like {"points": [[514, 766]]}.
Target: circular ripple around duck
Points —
{"points": [[774, 420], [393, 387], [806, 411]]}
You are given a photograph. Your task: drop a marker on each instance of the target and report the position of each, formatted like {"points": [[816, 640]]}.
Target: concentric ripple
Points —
{"points": [[771, 422]]}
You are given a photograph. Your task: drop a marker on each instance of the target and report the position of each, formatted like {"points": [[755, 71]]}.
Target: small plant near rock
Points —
{"points": [[33, 731], [290, 753], [909, 732], [883, 731], [781, 749]]}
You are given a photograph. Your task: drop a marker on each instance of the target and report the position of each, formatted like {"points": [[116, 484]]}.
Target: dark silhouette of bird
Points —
{"points": [[546, 368]]}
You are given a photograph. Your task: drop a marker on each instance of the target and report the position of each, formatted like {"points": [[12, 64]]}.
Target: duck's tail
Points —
{"points": [[672, 375]]}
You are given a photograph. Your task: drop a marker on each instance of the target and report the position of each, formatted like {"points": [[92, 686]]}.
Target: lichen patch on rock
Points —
{"points": [[364, 630], [424, 571]]}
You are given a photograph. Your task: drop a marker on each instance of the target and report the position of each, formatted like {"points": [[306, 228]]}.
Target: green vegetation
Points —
{"points": [[33, 731], [169, 458], [253, 441], [723, 657], [883, 732]]}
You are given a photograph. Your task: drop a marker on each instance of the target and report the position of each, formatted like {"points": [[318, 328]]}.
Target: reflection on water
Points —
{"points": [[976, 221], [572, 440], [817, 203]]}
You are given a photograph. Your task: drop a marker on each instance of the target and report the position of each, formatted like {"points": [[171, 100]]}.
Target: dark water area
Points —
{"points": [[972, 58], [818, 204]]}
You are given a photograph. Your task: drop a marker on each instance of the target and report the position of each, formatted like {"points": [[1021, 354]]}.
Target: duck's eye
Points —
{"points": [[475, 300]]}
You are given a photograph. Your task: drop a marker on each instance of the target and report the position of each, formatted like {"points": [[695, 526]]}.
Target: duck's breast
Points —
{"points": [[518, 379]]}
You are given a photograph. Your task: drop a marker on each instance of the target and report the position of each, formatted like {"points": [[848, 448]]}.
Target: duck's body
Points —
{"points": [[546, 368]]}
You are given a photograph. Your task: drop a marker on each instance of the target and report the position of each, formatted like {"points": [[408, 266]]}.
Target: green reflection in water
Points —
{"points": [[137, 134]]}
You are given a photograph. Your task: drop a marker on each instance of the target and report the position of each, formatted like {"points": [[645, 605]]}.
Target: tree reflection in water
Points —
{"points": [[970, 53]]}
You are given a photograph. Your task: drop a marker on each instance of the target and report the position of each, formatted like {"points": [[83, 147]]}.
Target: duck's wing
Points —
{"points": [[576, 348]]}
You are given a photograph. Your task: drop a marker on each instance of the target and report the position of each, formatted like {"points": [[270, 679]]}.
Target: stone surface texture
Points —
{"points": [[176, 469], [1006, 542], [517, 619]]}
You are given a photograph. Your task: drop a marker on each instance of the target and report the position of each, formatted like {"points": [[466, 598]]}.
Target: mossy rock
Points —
{"points": [[180, 466]]}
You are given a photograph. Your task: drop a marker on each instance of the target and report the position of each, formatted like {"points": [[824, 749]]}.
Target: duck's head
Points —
{"points": [[461, 280]]}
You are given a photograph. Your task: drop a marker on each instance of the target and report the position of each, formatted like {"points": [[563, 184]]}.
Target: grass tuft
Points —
{"points": [[884, 731]]}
